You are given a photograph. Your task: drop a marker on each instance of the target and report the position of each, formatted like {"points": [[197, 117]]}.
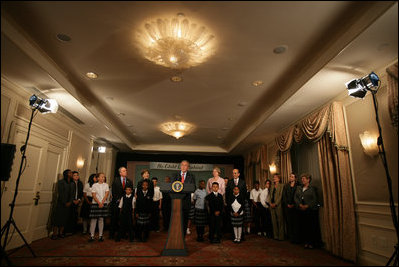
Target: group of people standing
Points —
{"points": [[287, 211], [226, 205]]}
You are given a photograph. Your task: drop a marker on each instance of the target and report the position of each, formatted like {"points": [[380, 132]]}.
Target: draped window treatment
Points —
{"points": [[393, 94], [256, 166], [326, 127]]}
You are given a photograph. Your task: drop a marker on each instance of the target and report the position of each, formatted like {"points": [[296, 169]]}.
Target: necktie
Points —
{"points": [[123, 183], [182, 177]]}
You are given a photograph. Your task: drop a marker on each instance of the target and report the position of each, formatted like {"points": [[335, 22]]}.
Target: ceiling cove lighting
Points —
{"points": [[177, 129], [175, 42]]}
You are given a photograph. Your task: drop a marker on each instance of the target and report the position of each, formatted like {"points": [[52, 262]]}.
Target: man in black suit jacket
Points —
{"points": [[242, 185], [189, 178], [118, 190]]}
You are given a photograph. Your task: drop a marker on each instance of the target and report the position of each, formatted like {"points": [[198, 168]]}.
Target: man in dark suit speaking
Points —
{"points": [[185, 177]]}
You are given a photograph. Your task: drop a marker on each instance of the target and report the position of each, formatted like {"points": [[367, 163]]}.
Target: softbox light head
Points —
{"points": [[43, 105]]}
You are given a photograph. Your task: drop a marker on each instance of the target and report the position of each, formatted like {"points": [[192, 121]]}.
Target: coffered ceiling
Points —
{"points": [[327, 44]]}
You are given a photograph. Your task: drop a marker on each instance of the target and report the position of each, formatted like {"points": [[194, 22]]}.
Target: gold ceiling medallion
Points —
{"points": [[176, 42], [177, 129]]}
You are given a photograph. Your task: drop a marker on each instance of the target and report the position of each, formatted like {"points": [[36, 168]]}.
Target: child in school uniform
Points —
{"points": [[143, 211], [215, 208], [126, 205], [191, 215], [200, 213], [236, 206], [99, 207], [247, 212], [156, 205]]}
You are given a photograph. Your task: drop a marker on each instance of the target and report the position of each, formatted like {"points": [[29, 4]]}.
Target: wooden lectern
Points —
{"points": [[175, 245]]}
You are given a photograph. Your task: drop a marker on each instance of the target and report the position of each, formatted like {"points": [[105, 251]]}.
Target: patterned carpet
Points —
{"points": [[76, 250]]}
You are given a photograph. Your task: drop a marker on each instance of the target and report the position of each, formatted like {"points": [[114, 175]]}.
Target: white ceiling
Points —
{"points": [[328, 43]]}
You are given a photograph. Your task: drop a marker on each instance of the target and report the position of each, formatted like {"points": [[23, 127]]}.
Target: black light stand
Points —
{"points": [[394, 257], [6, 228]]}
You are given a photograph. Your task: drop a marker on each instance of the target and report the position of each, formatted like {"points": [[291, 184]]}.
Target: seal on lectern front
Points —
{"points": [[177, 186]]}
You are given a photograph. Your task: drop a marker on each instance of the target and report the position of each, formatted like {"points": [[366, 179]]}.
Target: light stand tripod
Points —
{"points": [[6, 228], [394, 257]]}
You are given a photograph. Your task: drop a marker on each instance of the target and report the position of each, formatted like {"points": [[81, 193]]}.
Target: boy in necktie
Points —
{"points": [[215, 207]]}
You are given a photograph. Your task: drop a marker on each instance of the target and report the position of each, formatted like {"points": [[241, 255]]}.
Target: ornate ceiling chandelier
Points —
{"points": [[176, 129], [176, 43]]}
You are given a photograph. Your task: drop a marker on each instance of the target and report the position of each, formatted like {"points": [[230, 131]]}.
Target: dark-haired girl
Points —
{"points": [[87, 200]]}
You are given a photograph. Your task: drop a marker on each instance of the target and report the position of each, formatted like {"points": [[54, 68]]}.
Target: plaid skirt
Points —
{"points": [[201, 217], [191, 214], [237, 221], [247, 212], [143, 219], [97, 212]]}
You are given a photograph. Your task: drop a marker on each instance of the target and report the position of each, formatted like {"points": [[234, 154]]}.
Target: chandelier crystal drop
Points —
{"points": [[176, 43]]}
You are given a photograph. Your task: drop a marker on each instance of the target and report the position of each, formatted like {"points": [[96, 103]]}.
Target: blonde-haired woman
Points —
{"points": [[216, 178]]}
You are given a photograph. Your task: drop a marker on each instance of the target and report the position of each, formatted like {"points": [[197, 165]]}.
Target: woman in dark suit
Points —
{"points": [[63, 206], [306, 203]]}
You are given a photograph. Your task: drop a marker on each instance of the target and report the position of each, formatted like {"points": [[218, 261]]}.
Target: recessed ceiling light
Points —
{"points": [[280, 49], [257, 83], [241, 104], [91, 75], [180, 14], [219, 137], [63, 37], [176, 79], [225, 129], [121, 114]]}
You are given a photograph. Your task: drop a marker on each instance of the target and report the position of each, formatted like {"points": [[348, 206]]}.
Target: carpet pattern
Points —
{"points": [[77, 251]]}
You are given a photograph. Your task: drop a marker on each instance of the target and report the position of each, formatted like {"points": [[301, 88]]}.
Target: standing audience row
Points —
{"points": [[278, 211]]}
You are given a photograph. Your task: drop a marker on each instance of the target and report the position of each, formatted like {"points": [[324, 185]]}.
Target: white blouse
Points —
{"points": [[100, 190], [87, 190], [157, 194]]}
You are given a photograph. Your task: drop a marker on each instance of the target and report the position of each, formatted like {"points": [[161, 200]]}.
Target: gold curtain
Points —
{"points": [[256, 166], [327, 127], [393, 94], [339, 229], [285, 166]]}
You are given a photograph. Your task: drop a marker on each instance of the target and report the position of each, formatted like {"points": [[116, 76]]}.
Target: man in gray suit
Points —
{"points": [[185, 177]]}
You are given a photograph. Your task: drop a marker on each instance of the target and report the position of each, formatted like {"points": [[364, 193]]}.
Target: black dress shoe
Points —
{"points": [[101, 239], [91, 239], [54, 237]]}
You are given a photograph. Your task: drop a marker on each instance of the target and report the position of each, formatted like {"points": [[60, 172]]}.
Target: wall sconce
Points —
{"points": [[369, 143], [272, 168], [80, 163]]}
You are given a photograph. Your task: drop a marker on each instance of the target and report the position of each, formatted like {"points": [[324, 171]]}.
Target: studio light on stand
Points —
{"points": [[358, 88], [44, 106]]}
